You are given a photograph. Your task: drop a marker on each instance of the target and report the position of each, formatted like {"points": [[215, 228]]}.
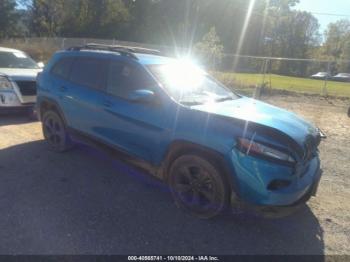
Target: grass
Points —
{"points": [[292, 84]]}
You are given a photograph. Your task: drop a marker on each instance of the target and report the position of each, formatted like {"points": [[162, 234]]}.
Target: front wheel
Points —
{"points": [[197, 186], [55, 132]]}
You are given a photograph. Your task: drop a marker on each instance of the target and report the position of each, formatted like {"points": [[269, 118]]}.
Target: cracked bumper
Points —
{"points": [[271, 211]]}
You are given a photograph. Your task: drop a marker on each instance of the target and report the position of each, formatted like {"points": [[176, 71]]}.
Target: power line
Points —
{"points": [[329, 14], [285, 58]]}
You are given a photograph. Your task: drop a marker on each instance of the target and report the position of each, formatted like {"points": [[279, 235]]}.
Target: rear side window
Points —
{"points": [[90, 72], [62, 67], [124, 78]]}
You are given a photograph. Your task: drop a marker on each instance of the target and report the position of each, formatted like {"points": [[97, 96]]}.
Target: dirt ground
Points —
{"points": [[35, 219], [332, 205]]}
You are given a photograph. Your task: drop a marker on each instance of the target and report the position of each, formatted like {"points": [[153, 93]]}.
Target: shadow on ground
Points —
{"points": [[84, 202], [16, 119]]}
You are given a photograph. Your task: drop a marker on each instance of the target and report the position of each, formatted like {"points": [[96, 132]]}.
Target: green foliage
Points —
{"points": [[337, 37], [78, 18], [47, 17], [212, 27], [210, 48], [95, 18], [8, 19], [291, 34], [337, 46]]}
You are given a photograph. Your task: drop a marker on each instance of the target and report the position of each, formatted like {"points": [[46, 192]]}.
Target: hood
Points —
{"points": [[21, 74], [264, 114]]}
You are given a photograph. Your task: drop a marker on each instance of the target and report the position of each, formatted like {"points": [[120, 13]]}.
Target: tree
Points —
{"points": [[210, 48], [291, 34], [241, 27], [78, 18], [165, 22], [337, 45], [95, 18], [8, 18], [47, 17], [337, 35]]}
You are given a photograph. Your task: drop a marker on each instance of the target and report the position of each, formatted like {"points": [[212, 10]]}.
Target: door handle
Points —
{"points": [[107, 103], [63, 89]]}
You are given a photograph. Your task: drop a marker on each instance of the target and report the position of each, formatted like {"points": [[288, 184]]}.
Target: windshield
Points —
{"points": [[189, 85], [16, 60]]}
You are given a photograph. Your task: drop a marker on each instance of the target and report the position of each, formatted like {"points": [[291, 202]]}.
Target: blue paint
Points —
{"points": [[148, 124]]}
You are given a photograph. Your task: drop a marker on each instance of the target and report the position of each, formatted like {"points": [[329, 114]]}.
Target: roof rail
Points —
{"points": [[123, 50]]}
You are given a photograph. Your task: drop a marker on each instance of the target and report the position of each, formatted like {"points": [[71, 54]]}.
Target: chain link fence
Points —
{"points": [[248, 74], [271, 74]]}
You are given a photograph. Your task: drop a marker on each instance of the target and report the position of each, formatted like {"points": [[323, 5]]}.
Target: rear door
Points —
{"points": [[60, 82], [82, 94]]}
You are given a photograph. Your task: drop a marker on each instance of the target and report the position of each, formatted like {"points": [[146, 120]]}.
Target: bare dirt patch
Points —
{"points": [[332, 205]]}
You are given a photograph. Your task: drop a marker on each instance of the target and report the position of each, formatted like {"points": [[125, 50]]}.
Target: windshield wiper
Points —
{"points": [[190, 103], [225, 98]]}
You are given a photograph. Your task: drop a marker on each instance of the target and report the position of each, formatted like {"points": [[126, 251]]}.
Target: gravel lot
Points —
{"points": [[84, 202]]}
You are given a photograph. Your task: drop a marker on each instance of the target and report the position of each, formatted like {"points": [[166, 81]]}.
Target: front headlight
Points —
{"points": [[5, 83], [257, 149]]}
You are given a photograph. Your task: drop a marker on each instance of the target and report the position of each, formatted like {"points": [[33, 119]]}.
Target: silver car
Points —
{"points": [[321, 75], [342, 77], [18, 74]]}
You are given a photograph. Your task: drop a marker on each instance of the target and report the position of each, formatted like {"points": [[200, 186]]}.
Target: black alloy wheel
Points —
{"points": [[197, 186], [55, 132]]}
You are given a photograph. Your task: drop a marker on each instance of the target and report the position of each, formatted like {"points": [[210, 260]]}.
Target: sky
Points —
{"points": [[341, 7]]}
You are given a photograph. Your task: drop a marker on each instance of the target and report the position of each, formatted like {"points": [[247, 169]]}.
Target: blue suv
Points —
{"points": [[213, 147]]}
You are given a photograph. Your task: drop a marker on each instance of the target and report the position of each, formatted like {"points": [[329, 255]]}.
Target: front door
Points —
{"points": [[135, 127]]}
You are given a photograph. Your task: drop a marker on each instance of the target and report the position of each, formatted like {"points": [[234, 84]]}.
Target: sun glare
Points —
{"points": [[244, 29], [183, 74]]}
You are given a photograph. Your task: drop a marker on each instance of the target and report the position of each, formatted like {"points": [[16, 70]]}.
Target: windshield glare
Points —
{"points": [[16, 60], [188, 84]]}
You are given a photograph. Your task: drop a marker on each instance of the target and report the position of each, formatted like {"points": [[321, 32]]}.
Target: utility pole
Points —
{"points": [[324, 91]]}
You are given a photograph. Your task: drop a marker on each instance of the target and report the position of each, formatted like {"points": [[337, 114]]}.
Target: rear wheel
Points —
{"points": [[197, 186], [55, 132]]}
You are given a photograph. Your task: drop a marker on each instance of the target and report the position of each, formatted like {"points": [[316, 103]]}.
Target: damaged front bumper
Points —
{"points": [[278, 211]]}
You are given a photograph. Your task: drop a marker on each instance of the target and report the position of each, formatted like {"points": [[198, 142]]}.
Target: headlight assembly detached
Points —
{"points": [[257, 149], [5, 83]]}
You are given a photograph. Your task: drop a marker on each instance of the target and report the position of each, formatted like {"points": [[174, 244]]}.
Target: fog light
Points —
{"points": [[278, 184], [9, 99]]}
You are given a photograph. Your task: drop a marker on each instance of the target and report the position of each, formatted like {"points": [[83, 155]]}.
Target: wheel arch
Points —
{"points": [[182, 147], [46, 104]]}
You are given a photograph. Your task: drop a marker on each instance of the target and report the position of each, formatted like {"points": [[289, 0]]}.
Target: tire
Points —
{"points": [[55, 133], [197, 186]]}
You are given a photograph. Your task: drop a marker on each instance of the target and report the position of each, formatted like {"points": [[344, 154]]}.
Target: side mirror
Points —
{"points": [[41, 64], [141, 96]]}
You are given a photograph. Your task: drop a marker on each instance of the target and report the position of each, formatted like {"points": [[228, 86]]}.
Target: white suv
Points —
{"points": [[18, 74]]}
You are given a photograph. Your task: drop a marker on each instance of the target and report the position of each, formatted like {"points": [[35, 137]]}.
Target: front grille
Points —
{"points": [[318, 138], [311, 144], [27, 88]]}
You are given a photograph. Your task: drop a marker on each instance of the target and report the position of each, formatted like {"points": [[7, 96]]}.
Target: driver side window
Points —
{"points": [[124, 78]]}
